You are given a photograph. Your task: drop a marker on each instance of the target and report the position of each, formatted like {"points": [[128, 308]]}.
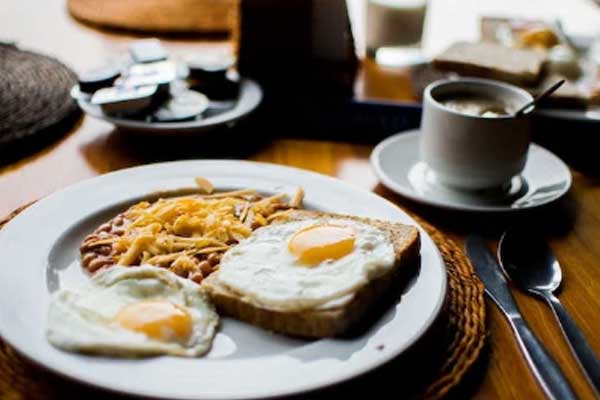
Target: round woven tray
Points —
{"points": [[35, 104], [173, 16], [462, 343]]}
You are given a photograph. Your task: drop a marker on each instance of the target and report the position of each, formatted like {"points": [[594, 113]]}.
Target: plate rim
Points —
{"points": [[569, 114], [375, 160], [362, 369], [561, 114]]}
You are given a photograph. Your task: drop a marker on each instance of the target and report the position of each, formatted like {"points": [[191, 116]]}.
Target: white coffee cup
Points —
{"points": [[470, 151]]}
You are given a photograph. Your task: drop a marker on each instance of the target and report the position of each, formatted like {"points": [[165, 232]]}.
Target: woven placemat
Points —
{"points": [[35, 101], [466, 333], [172, 16]]}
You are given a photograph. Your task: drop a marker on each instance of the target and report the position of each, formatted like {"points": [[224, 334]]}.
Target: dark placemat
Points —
{"points": [[463, 343], [422, 75], [35, 101]]}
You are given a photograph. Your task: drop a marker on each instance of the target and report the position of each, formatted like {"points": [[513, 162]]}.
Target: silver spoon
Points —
{"points": [[539, 98], [531, 264]]}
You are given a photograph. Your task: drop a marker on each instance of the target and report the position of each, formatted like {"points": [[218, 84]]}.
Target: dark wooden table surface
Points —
{"points": [[93, 148]]}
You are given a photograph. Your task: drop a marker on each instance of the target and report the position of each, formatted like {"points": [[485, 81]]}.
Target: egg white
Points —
{"points": [[82, 320], [263, 271]]}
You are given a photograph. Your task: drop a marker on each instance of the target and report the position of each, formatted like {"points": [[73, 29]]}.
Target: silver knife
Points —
{"points": [[548, 374]]}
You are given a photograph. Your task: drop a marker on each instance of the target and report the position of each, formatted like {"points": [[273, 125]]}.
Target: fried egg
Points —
{"points": [[303, 264], [133, 312]]}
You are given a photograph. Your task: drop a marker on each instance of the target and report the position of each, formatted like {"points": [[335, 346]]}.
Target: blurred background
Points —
{"points": [[332, 67]]}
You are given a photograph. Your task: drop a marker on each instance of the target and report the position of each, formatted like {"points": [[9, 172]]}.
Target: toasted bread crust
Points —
{"points": [[321, 322]]}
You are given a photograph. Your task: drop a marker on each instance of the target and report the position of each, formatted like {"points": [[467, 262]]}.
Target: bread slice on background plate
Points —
{"points": [[335, 317], [493, 61]]}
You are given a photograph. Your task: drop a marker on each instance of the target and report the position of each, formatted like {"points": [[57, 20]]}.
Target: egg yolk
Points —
{"points": [[157, 319], [318, 243]]}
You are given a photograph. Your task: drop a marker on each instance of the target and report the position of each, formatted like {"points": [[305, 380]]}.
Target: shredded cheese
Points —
{"points": [[169, 232], [204, 184], [186, 234]]}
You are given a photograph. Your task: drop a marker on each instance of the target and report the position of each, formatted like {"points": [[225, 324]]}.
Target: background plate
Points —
{"points": [[249, 98], [40, 252]]}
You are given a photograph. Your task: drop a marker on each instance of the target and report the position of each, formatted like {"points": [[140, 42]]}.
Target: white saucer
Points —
{"points": [[396, 162]]}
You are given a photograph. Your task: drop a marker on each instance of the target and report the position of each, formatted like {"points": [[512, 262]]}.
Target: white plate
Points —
{"points": [[544, 179], [249, 98], [40, 254]]}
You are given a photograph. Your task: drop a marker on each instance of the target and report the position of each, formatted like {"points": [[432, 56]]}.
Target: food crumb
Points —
{"points": [[380, 347]]}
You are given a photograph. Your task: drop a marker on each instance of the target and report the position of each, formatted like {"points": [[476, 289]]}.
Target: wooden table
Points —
{"points": [[93, 148]]}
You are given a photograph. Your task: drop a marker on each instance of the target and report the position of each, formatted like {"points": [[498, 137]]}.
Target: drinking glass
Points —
{"points": [[394, 29]]}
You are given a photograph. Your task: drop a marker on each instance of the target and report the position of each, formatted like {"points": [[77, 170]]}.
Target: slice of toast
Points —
{"points": [[494, 61], [333, 318]]}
